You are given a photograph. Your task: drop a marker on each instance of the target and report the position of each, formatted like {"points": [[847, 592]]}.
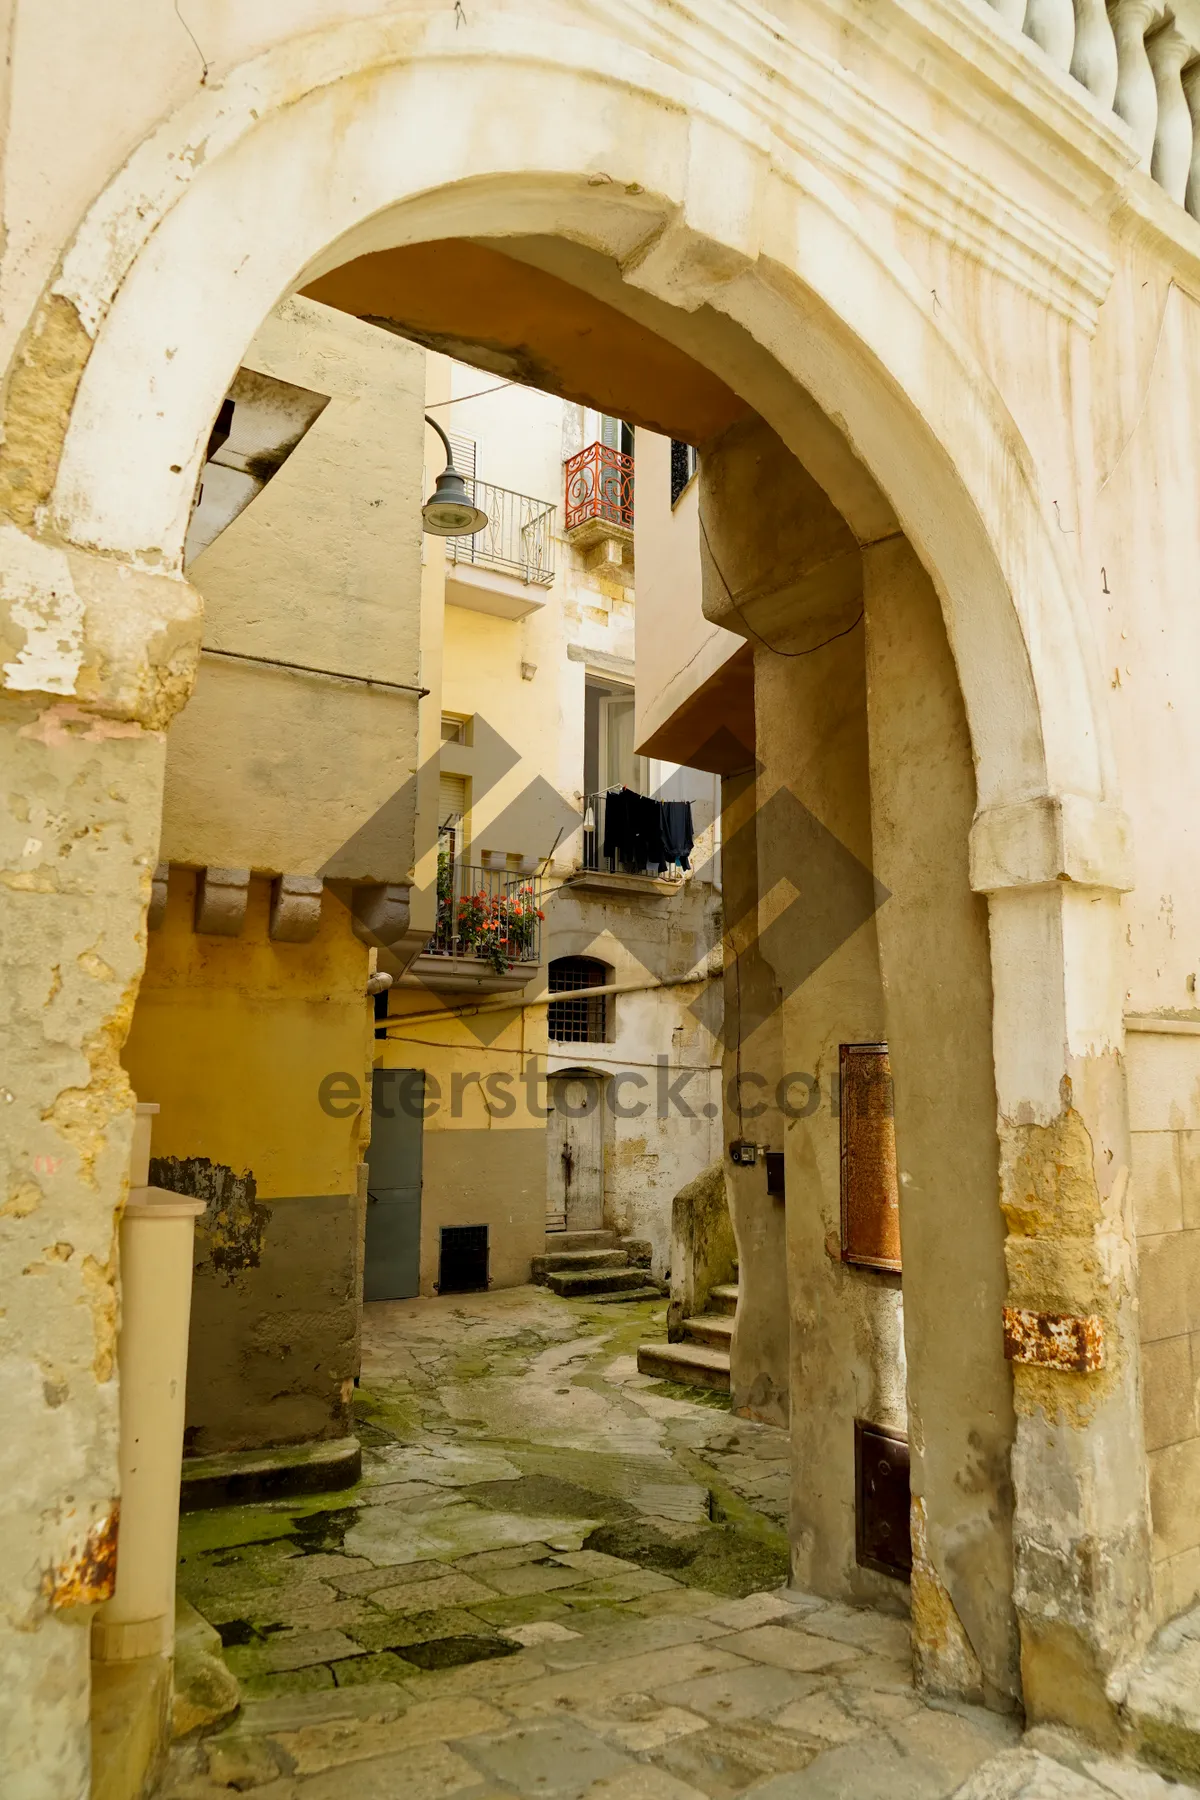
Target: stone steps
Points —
{"points": [[713, 1329], [577, 1259], [581, 1240], [597, 1265], [1161, 1703], [701, 1359], [693, 1365]]}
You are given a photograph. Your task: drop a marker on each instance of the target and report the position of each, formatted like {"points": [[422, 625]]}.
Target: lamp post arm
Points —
{"points": [[444, 438]]}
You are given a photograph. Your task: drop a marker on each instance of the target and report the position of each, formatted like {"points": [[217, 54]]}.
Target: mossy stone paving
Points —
{"points": [[552, 1560]]}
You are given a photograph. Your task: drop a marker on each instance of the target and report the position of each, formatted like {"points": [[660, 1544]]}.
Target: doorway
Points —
{"points": [[575, 1176], [392, 1256]]}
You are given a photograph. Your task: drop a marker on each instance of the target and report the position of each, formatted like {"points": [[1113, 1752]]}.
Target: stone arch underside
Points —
{"points": [[340, 141]]}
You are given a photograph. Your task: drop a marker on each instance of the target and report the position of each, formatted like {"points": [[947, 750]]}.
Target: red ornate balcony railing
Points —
{"points": [[599, 486]]}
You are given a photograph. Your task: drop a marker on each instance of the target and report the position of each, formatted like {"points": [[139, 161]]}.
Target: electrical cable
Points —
{"points": [[812, 649], [481, 394], [277, 662]]}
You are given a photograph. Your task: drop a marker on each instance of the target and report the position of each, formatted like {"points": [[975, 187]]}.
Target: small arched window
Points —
{"points": [[583, 1020]]}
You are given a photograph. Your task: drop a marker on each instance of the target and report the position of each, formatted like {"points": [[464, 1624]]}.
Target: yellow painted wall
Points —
{"points": [[480, 1167], [233, 1036]]}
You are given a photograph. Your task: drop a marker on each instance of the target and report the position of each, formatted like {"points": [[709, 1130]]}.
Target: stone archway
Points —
{"points": [[340, 139]]}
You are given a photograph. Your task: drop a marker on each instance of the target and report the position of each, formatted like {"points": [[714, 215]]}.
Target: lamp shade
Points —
{"points": [[450, 510]]}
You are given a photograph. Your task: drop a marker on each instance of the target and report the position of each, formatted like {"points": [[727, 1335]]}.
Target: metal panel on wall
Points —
{"points": [[870, 1191], [392, 1257]]}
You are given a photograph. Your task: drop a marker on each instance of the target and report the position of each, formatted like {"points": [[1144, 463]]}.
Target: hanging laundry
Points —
{"points": [[642, 834], [677, 832]]}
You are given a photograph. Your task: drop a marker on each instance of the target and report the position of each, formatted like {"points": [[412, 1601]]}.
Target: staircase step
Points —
{"points": [[583, 1282], [640, 1251], [723, 1298], [556, 1260], [581, 1240], [1162, 1700], [637, 1293], [694, 1365], [714, 1329]]}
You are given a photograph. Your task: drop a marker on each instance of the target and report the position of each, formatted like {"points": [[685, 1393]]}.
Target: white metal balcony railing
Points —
{"points": [[518, 536], [1140, 59]]}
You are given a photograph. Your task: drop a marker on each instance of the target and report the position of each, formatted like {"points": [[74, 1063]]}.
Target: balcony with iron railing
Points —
{"points": [[599, 484], [501, 568], [518, 536], [619, 872], [488, 930], [599, 506]]}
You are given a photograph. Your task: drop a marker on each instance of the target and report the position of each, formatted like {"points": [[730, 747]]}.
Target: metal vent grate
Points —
{"points": [[463, 1263]]}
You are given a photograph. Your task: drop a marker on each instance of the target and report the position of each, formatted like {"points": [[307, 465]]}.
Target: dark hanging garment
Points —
{"points": [[677, 832], [620, 827]]}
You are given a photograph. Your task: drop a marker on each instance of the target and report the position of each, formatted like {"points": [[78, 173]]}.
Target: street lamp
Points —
{"points": [[450, 510]]}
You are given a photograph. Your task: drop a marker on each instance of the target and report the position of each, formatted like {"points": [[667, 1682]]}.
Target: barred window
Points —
{"points": [[684, 463], [582, 1021]]}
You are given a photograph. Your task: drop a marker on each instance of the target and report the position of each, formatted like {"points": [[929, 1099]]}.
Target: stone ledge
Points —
{"points": [[1052, 838], [233, 1477]]}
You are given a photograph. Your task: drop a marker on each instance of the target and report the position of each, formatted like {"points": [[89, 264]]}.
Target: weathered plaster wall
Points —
{"points": [[233, 1038], [703, 1247], [84, 753], [484, 1132], [671, 664], [267, 768], [799, 592], [663, 1041], [847, 1324], [752, 1065], [933, 950], [1164, 1119]]}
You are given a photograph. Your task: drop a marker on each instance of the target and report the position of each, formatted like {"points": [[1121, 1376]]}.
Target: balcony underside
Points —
{"points": [[485, 590], [466, 974]]}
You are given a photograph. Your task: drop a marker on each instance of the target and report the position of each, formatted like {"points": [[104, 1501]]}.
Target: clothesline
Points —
{"points": [[641, 832]]}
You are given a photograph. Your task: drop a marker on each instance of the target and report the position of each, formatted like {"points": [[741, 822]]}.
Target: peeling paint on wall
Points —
{"points": [[41, 392], [234, 1223], [37, 583]]}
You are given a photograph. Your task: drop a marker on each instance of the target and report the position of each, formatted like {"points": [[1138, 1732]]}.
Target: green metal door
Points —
{"points": [[392, 1263]]}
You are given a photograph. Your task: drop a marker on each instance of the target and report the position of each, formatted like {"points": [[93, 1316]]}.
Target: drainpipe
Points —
{"points": [[157, 1229]]}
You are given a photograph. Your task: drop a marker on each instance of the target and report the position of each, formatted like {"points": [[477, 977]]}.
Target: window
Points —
{"points": [[616, 434], [464, 452], [581, 1021], [684, 463], [609, 759]]}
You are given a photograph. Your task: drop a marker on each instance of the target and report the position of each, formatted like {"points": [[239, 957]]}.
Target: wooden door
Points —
{"points": [[575, 1178]]}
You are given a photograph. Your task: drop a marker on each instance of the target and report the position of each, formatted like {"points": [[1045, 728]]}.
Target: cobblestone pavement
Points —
{"points": [[560, 1578]]}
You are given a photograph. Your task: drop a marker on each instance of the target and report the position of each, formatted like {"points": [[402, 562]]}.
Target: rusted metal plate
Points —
{"points": [[89, 1574], [882, 1508], [870, 1193], [1054, 1340]]}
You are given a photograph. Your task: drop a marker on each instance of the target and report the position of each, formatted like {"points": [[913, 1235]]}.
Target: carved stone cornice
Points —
{"points": [[816, 107]]}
